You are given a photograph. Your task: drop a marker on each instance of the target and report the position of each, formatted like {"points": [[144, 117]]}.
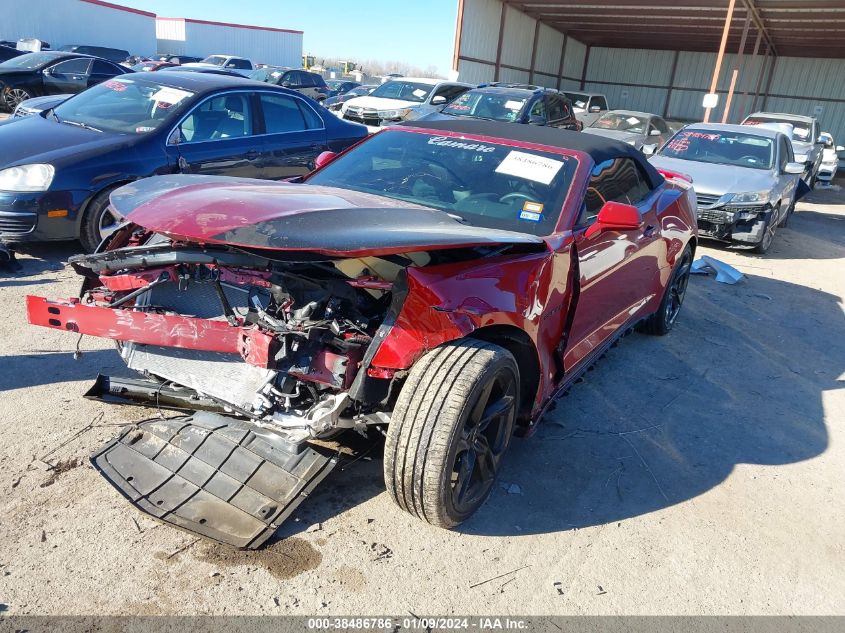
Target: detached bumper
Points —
{"points": [[734, 224], [38, 217]]}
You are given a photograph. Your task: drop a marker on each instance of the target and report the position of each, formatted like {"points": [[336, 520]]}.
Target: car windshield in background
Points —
{"points": [[721, 148], [621, 122], [800, 129], [30, 61], [404, 90], [124, 106], [484, 105], [334, 84], [482, 183], [217, 60], [578, 100], [144, 66]]}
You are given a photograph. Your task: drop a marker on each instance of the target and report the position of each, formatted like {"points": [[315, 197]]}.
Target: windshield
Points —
{"points": [[485, 184], [578, 99], [124, 106], [485, 105], [721, 148], [622, 122], [334, 84], [30, 61], [404, 90], [800, 129], [217, 60], [144, 66]]}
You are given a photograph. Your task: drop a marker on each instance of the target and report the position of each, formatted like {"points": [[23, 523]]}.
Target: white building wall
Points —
{"points": [[62, 22], [261, 45], [170, 36]]}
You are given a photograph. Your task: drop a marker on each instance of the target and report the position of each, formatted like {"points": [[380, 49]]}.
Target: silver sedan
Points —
{"points": [[645, 131], [746, 179]]}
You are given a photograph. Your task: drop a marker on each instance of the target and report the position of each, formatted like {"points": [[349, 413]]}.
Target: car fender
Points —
{"points": [[531, 293]]}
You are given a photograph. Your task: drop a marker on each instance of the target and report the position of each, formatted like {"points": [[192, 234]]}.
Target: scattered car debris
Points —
{"points": [[601, 591], [382, 551], [725, 273], [508, 573], [558, 587], [316, 527]]}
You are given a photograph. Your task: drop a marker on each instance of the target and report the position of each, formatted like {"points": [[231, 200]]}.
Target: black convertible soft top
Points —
{"points": [[598, 147]]}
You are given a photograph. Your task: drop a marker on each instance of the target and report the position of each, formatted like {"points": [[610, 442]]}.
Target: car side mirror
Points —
{"points": [[175, 137], [648, 150], [615, 216], [438, 100], [595, 109], [536, 119], [793, 168], [323, 159], [654, 133], [285, 84]]}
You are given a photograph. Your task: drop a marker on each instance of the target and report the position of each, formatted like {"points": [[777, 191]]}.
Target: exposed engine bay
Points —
{"points": [[305, 327]]}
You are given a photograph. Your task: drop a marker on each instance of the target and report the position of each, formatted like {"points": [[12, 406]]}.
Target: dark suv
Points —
{"points": [[512, 103], [112, 54], [310, 84]]}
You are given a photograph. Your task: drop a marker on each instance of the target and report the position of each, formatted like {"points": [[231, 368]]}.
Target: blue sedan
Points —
{"points": [[58, 167]]}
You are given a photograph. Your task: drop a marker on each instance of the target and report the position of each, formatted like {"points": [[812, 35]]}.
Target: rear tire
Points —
{"points": [[96, 221], [661, 322], [450, 428]]}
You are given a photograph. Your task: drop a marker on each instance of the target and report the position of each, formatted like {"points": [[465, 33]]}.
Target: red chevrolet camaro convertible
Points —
{"points": [[441, 281]]}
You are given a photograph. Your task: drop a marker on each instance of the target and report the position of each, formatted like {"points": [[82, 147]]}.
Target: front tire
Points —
{"points": [[450, 428], [98, 221], [662, 321], [768, 237]]}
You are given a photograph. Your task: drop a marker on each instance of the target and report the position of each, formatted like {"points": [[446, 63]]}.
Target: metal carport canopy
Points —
{"points": [[794, 28]]}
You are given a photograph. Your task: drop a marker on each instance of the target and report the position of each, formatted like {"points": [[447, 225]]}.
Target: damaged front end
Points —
{"points": [[266, 355], [280, 343]]}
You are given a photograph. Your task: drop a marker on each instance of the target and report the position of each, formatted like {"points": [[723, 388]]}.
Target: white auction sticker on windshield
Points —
{"points": [[171, 95], [513, 105], [419, 93], [530, 167]]}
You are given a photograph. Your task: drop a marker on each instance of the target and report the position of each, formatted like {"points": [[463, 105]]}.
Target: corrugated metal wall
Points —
{"points": [[61, 22], [480, 36], [260, 45], [170, 36]]}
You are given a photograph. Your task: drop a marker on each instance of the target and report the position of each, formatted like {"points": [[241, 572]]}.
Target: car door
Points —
{"points": [[217, 137], [786, 183], [101, 71], [294, 135], [69, 76], [618, 269]]}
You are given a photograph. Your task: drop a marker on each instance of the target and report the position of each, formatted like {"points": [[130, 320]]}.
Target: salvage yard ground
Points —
{"points": [[696, 473]]}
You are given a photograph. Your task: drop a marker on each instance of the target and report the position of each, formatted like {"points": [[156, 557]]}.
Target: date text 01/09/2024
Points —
{"points": [[419, 623]]}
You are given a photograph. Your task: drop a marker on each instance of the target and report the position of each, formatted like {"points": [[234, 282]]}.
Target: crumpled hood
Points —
{"points": [[283, 216], [619, 135], [379, 103], [34, 139], [717, 179]]}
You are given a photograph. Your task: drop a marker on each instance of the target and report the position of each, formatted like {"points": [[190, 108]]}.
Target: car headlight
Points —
{"points": [[394, 114], [748, 197], [37, 177], [802, 158]]}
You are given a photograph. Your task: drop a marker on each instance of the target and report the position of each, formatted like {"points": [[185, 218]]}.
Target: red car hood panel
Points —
{"points": [[283, 216]]}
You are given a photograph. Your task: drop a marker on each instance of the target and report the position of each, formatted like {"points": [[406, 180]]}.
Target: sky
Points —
{"points": [[417, 32]]}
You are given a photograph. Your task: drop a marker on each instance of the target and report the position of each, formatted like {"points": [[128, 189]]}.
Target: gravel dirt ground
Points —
{"points": [[698, 473]]}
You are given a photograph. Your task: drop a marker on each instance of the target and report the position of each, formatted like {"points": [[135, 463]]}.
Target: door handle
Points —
{"points": [[650, 230], [252, 154]]}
